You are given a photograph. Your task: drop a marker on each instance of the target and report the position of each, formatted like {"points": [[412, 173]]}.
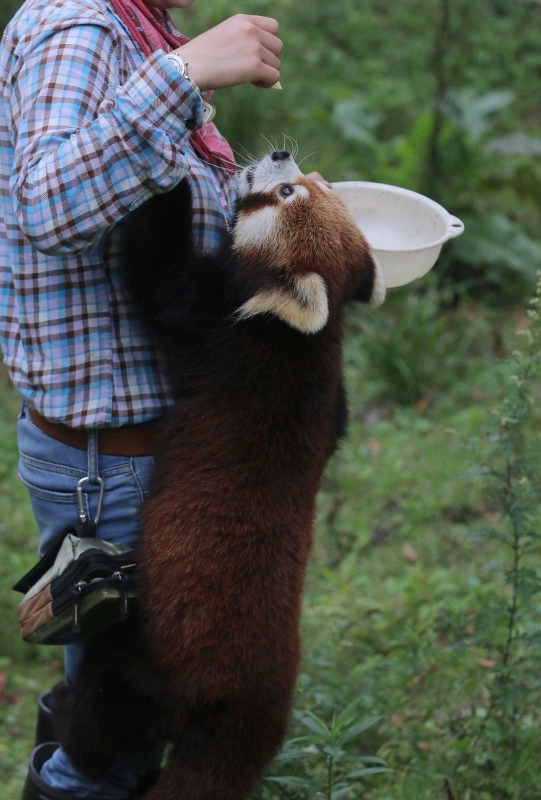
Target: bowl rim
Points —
{"points": [[390, 189]]}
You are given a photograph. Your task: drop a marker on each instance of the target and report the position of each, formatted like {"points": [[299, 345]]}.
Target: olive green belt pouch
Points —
{"points": [[79, 588]]}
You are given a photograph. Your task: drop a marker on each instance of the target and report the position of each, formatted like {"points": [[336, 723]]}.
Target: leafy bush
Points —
{"points": [[413, 349], [500, 731], [407, 349], [454, 155], [330, 772]]}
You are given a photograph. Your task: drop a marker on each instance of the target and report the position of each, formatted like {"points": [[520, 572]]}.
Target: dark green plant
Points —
{"points": [[404, 348], [320, 765], [411, 349], [499, 731], [455, 153]]}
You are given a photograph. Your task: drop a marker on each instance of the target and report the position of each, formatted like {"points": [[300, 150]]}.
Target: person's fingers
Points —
{"points": [[242, 49], [270, 57], [265, 23], [267, 84], [272, 43], [316, 176]]}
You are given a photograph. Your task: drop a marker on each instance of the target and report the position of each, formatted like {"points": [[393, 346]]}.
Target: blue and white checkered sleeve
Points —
{"points": [[88, 150]]}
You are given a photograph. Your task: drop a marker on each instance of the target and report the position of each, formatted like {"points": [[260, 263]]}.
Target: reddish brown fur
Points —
{"points": [[319, 234], [229, 524]]}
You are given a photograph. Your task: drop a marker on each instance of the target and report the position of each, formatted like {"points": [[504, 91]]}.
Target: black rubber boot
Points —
{"points": [[45, 735], [44, 726], [35, 788]]}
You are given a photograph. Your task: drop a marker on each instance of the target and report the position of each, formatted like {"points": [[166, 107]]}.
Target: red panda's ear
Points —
{"points": [[371, 289], [302, 304]]}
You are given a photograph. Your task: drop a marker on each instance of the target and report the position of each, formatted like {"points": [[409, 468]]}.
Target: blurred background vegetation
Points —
{"points": [[438, 96], [422, 611]]}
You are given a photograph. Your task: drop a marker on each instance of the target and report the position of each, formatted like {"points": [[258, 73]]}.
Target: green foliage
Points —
{"points": [[411, 350], [454, 155], [7, 10], [24, 670], [330, 771], [449, 649], [500, 731]]}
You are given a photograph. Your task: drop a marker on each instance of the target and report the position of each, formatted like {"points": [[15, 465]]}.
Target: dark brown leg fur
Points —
{"points": [[220, 750], [223, 751], [113, 705]]}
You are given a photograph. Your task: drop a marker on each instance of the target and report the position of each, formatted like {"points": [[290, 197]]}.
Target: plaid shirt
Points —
{"points": [[89, 129]]}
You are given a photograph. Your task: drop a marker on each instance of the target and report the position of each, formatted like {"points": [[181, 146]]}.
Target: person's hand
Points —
{"points": [[242, 49], [315, 176]]}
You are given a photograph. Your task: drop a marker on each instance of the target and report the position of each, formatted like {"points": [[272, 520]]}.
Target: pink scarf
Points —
{"points": [[152, 29]]}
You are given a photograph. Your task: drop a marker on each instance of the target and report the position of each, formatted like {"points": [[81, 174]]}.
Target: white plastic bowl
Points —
{"points": [[405, 230]]}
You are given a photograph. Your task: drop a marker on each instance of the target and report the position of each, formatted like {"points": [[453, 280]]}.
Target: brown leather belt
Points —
{"points": [[134, 440]]}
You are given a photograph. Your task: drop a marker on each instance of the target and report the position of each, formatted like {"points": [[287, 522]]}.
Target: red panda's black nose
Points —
{"points": [[280, 155]]}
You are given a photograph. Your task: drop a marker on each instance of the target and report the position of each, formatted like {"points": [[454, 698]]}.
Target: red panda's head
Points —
{"points": [[303, 234]]}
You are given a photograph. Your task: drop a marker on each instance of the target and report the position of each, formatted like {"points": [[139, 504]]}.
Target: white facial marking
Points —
{"points": [[266, 174], [255, 229], [304, 307], [300, 191]]}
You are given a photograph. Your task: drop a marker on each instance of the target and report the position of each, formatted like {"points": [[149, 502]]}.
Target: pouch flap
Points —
{"points": [[70, 550], [43, 565]]}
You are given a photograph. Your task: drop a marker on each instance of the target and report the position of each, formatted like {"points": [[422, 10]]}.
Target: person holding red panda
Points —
{"points": [[103, 104]]}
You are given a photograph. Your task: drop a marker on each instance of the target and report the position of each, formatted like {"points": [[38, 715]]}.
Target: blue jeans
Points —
{"points": [[51, 471]]}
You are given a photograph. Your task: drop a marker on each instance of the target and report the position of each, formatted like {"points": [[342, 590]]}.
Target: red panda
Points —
{"points": [[252, 339]]}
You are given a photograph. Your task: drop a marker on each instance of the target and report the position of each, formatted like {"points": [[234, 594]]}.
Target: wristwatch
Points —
{"points": [[208, 110]]}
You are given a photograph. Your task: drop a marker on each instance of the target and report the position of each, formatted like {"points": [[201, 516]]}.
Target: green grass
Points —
{"points": [[403, 569], [400, 560], [25, 671]]}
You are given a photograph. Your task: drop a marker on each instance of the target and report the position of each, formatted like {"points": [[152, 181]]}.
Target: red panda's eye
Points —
{"points": [[286, 190]]}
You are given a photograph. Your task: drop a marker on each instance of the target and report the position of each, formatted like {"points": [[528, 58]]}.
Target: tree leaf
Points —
{"points": [[315, 724], [336, 794], [356, 120], [360, 773], [357, 729], [514, 144], [288, 780]]}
